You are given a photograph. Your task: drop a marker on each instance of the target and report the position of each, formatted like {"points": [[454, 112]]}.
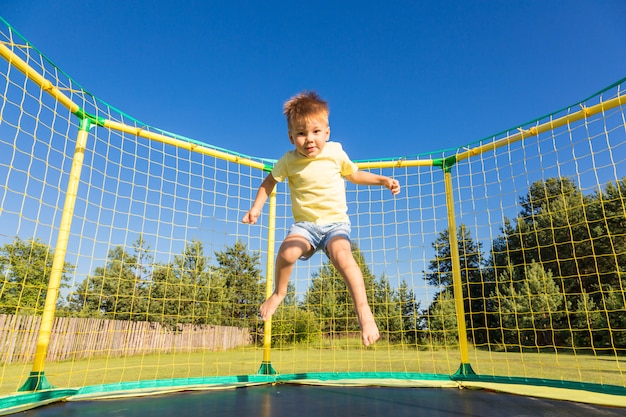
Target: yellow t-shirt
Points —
{"points": [[316, 185]]}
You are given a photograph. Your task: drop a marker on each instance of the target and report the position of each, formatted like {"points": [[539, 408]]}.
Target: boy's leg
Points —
{"points": [[292, 248], [340, 254]]}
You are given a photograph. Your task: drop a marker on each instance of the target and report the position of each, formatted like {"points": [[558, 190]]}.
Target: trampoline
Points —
{"points": [[162, 281], [284, 400]]}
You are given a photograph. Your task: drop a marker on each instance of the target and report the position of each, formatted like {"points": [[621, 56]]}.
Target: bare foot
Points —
{"points": [[369, 329], [369, 332], [268, 308]]}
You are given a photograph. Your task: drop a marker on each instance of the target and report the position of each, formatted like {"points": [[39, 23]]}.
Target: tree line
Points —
{"points": [[554, 276], [193, 290]]}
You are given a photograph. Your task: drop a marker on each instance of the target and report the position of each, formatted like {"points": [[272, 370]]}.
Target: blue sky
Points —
{"points": [[402, 77]]}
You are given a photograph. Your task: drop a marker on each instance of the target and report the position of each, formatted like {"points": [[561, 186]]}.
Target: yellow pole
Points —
{"points": [[400, 163], [58, 95], [37, 380], [45, 85], [548, 126], [192, 147], [456, 274], [266, 366]]}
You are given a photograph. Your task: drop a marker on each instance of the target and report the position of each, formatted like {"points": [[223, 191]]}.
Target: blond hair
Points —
{"points": [[305, 106]]}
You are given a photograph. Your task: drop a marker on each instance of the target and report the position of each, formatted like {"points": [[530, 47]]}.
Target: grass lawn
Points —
{"points": [[349, 357]]}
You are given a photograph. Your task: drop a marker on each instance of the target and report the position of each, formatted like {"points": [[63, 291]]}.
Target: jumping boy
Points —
{"points": [[318, 201]]}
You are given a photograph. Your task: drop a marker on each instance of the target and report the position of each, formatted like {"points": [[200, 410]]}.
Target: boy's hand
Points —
{"points": [[393, 185], [251, 216]]}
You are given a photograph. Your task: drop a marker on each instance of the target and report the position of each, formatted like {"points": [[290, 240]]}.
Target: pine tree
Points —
{"points": [[239, 271], [329, 299], [185, 291], [116, 290], [473, 278], [530, 307]]}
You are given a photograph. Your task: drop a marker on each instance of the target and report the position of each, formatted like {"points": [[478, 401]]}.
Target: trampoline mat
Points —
{"points": [[322, 401]]}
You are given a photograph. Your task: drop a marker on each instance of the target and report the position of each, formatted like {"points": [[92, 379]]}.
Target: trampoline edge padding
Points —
{"points": [[25, 401], [550, 392], [147, 388], [596, 394]]}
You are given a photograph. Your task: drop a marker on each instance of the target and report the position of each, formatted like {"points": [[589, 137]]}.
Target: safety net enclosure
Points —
{"points": [[126, 270]]}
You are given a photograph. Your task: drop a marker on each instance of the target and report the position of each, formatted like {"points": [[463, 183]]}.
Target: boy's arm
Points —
{"points": [[367, 178], [266, 188]]}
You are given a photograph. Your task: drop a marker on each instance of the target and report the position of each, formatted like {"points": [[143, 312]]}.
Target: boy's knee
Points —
{"points": [[343, 259], [288, 256], [290, 251], [339, 247]]}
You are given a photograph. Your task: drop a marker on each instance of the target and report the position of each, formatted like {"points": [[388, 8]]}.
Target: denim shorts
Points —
{"points": [[318, 235]]}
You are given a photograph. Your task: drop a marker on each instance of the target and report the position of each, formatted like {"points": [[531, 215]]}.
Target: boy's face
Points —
{"points": [[309, 136]]}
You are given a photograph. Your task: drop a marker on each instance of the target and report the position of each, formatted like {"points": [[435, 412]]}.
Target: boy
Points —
{"points": [[315, 169]]}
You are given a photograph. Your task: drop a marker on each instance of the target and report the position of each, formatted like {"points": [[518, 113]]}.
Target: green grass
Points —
{"points": [[343, 356]]}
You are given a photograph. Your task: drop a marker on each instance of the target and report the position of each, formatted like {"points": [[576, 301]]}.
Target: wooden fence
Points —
{"points": [[79, 338]]}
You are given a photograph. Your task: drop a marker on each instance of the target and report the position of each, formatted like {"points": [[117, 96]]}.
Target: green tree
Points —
{"points": [[186, 291], [531, 307], [244, 291], [589, 324], [606, 218], [411, 323], [388, 309], [329, 299], [25, 269], [614, 300], [558, 237], [440, 319], [580, 239], [475, 282], [292, 324], [117, 290], [600, 328]]}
